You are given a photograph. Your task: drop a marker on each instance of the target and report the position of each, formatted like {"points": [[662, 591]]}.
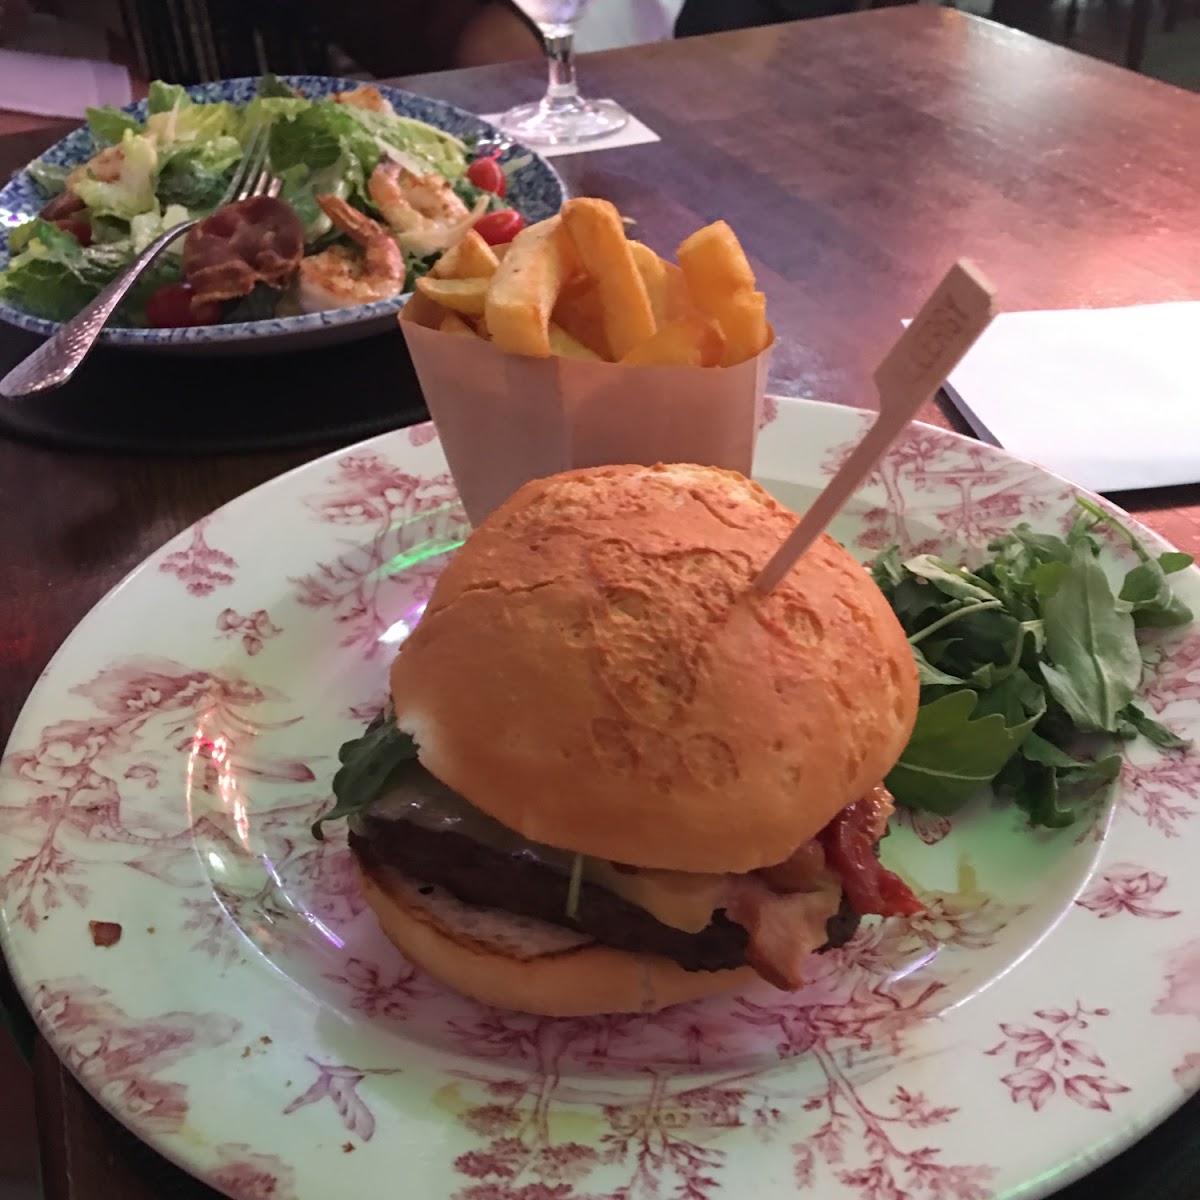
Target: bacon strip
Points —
{"points": [[784, 909], [259, 240]]}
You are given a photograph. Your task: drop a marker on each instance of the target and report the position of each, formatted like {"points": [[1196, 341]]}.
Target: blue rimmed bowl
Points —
{"points": [[536, 190]]}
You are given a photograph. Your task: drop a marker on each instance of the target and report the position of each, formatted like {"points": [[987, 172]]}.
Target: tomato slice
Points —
{"points": [[487, 173], [174, 307], [499, 228], [869, 886]]}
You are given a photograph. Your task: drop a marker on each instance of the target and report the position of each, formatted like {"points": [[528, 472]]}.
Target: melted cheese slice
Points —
{"points": [[677, 898]]}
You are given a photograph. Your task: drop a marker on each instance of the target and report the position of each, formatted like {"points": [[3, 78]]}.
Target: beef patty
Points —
{"points": [[490, 878]]}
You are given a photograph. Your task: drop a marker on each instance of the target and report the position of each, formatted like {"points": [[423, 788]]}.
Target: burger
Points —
{"points": [[614, 776]]}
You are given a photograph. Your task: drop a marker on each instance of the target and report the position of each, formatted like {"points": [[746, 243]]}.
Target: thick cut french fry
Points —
{"points": [[525, 288], [421, 310], [469, 258], [714, 264], [665, 284], [580, 314], [599, 237], [565, 346], [743, 321], [453, 323], [692, 340], [461, 295]]}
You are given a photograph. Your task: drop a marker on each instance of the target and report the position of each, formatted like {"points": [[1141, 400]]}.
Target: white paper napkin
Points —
{"points": [[632, 133], [50, 86], [1109, 398]]}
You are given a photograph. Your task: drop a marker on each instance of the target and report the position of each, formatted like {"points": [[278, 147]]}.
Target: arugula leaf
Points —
{"points": [[1020, 658], [1154, 603], [367, 764], [1149, 728], [1037, 776], [109, 124], [931, 676], [1095, 666], [888, 571], [1035, 547], [956, 582], [952, 754]]}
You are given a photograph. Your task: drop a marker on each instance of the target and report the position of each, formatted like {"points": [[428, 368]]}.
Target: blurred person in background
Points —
{"points": [[717, 16], [190, 41]]}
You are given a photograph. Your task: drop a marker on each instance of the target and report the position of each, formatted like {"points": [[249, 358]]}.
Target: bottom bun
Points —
{"points": [[527, 965]]}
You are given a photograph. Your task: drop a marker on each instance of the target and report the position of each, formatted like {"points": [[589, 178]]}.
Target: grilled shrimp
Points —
{"points": [[423, 211], [341, 276]]}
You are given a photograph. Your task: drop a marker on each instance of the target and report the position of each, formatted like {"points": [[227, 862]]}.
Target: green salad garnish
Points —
{"points": [[1023, 662]]}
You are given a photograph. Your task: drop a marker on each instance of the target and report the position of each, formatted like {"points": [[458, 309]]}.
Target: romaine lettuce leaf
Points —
{"points": [[162, 97], [442, 151], [335, 151], [301, 188], [133, 190], [51, 275], [197, 176], [319, 136], [195, 123], [108, 124], [50, 177], [263, 110], [271, 87], [145, 227]]}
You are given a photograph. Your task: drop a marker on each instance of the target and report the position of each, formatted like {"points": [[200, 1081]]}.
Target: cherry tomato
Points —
{"points": [[171, 307], [869, 886], [81, 231], [497, 228], [65, 204], [487, 173]]}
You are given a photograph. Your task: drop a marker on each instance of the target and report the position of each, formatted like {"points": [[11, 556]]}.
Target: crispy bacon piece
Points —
{"points": [[784, 909], [849, 843], [259, 240], [105, 933]]}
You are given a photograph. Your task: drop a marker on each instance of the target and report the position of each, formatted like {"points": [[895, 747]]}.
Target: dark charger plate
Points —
{"points": [[170, 404]]}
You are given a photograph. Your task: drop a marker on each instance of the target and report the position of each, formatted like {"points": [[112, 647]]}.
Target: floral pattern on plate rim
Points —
{"points": [[167, 784]]}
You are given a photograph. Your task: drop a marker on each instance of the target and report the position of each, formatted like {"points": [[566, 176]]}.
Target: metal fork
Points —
{"points": [[56, 360]]}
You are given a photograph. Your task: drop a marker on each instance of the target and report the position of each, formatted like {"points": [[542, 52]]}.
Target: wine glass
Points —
{"points": [[562, 115]]}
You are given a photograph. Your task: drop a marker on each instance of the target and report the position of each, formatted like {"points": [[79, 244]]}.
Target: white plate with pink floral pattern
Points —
{"points": [[252, 1024]]}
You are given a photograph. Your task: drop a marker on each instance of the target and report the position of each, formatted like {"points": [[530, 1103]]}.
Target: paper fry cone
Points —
{"points": [[504, 419]]}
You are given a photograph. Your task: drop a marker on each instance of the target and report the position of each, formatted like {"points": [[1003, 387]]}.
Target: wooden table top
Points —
{"points": [[857, 157]]}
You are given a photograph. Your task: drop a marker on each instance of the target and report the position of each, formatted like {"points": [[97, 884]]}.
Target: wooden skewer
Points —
{"points": [[911, 372]]}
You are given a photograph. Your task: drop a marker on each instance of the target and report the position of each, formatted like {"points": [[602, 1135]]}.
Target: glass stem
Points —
{"points": [[560, 52]]}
